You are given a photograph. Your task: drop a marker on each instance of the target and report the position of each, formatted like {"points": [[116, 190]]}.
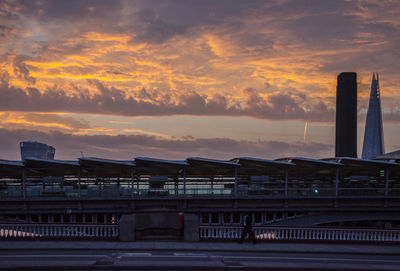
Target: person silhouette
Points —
{"points": [[248, 229]]}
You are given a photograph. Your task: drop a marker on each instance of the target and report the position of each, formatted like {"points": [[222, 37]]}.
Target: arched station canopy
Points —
{"points": [[306, 166], [255, 166], [44, 167], [210, 167], [11, 168], [159, 167], [92, 166]]}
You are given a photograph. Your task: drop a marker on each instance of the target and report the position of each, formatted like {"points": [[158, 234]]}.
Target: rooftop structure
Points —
{"points": [[373, 137]]}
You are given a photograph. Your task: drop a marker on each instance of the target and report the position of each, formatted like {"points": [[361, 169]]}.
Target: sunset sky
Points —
{"points": [[173, 79]]}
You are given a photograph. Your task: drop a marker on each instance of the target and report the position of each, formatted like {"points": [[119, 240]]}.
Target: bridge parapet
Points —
{"points": [[301, 233]]}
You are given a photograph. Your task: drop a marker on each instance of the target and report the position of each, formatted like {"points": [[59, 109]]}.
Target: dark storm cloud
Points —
{"points": [[113, 101], [160, 20], [71, 10], [128, 146], [150, 21]]}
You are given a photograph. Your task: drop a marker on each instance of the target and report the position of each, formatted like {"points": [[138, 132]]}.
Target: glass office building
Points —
{"points": [[37, 150]]}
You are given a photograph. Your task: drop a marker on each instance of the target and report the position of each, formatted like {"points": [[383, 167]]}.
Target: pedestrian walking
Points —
{"points": [[248, 229]]}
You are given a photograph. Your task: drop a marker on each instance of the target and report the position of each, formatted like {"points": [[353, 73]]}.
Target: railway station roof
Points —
{"points": [[153, 166], [105, 167], [255, 166], [307, 166], [357, 162], [37, 166], [11, 168], [367, 167], [196, 166], [210, 167]]}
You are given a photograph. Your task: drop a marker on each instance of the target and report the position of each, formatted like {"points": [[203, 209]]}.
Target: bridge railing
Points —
{"points": [[73, 231], [300, 233]]}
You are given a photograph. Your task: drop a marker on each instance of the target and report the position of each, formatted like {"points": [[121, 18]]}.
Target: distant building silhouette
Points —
{"points": [[346, 115], [373, 137], [36, 150]]}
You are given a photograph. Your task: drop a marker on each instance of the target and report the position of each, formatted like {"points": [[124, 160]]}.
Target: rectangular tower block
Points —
{"points": [[346, 115]]}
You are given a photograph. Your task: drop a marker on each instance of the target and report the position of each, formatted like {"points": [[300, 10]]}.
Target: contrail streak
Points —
{"points": [[305, 131]]}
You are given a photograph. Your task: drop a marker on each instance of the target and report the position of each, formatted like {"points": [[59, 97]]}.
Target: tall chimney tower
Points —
{"points": [[346, 115]]}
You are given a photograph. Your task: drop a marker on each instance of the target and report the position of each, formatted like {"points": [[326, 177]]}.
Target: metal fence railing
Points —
{"points": [[300, 233], [75, 231]]}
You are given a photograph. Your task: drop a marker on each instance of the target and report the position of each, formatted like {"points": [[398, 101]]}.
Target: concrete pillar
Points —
{"points": [[387, 182], [191, 227], [79, 182], [127, 227], [23, 183], [286, 182], [137, 184], [132, 180], [236, 183], [184, 181], [337, 182]]}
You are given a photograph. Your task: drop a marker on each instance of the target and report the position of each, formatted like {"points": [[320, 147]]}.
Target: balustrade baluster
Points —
{"points": [[206, 232]]}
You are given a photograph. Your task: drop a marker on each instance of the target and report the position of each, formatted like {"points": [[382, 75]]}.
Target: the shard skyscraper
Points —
{"points": [[373, 137]]}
